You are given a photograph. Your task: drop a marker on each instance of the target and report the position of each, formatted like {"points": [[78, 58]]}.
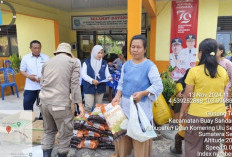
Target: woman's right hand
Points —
{"points": [[115, 100], [95, 82], [179, 95]]}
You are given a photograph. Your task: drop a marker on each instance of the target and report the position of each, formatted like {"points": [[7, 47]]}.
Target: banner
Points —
{"points": [[102, 22], [184, 19]]}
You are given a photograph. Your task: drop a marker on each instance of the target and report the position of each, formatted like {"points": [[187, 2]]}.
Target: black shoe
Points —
{"points": [[40, 117], [174, 151], [62, 155], [47, 152]]}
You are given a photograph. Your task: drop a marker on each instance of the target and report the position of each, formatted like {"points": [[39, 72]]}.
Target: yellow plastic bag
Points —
{"points": [[161, 111]]}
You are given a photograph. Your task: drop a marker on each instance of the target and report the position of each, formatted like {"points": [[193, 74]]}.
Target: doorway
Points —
{"points": [[111, 41]]}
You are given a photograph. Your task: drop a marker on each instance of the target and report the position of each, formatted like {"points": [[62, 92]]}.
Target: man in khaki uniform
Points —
{"points": [[59, 76]]}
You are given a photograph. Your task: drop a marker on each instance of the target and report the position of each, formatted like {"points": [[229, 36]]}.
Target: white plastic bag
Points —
{"points": [[139, 127]]}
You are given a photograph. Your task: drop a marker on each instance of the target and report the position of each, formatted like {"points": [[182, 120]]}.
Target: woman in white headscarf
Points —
{"points": [[95, 73]]}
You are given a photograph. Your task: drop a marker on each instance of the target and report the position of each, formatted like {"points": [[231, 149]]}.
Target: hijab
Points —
{"points": [[94, 62]]}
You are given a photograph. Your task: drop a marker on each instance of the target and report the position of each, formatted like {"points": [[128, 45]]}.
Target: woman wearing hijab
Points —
{"points": [[94, 74]]}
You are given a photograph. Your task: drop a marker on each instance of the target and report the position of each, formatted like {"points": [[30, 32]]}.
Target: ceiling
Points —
{"points": [[77, 5]]}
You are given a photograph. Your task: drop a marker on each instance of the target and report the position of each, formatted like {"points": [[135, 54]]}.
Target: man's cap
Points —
{"points": [[64, 47], [190, 36], [176, 41]]}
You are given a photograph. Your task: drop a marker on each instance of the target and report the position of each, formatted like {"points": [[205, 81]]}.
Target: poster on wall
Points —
{"points": [[184, 20]]}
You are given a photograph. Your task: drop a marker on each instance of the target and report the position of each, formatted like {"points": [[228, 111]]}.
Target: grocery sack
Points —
{"points": [[114, 116], [91, 133], [97, 125], [161, 111], [106, 139], [91, 128], [106, 146], [107, 133], [92, 144], [139, 127], [72, 145], [75, 140], [106, 127], [78, 133], [96, 119], [78, 125], [91, 138]]}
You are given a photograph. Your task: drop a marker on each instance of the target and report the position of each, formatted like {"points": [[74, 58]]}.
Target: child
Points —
{"points": [[112, 68], [177, 95], [180, 86], [95, 70]]}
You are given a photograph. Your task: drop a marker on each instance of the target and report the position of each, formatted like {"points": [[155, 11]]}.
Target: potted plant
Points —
{"points": [[15, 62], [168, 83]]}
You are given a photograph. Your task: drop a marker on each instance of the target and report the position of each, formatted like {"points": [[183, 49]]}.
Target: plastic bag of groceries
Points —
{"points": [[114, 116], [139, 127]]}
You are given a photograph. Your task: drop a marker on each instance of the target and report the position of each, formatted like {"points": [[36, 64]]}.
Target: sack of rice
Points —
{"points": [[114, 116]]}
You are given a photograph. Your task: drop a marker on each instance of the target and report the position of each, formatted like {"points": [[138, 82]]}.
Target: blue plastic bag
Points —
{"points": [[139, 127]]}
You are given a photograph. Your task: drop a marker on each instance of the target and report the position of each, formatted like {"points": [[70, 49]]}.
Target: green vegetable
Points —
{"points": [[15, 60], [168, 83]]}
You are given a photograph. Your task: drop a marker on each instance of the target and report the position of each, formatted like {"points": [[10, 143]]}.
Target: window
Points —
{"points": [[8, 40], [225, 38]]}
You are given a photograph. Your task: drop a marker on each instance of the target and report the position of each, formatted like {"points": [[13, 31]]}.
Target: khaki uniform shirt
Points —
{"points": [[60, 75]]}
